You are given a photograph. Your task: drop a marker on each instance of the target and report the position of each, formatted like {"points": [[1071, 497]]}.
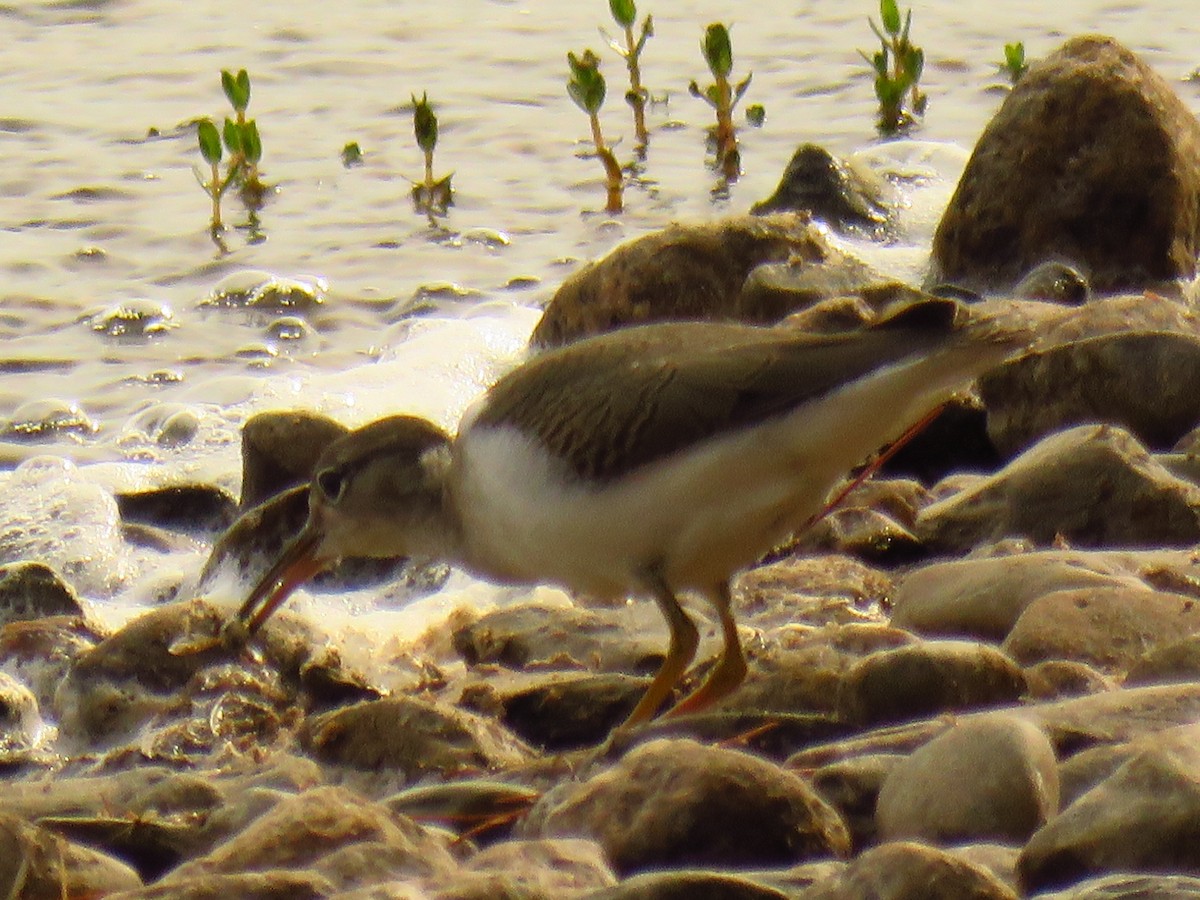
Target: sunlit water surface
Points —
{"points": [[99, 207]]}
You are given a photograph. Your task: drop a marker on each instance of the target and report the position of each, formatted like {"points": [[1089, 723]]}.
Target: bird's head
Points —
{"points": [[376, 492]]}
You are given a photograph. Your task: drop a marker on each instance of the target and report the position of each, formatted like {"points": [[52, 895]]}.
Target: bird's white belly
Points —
{"points": [[695, 518]]}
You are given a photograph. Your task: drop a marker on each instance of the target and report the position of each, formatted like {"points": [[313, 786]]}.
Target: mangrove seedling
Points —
{"points": [[722, 96], [433, 195], [586, 87], [215, 186], [352, 154], [897, 68], [1014, 65], [242, 140], [625, 14]]}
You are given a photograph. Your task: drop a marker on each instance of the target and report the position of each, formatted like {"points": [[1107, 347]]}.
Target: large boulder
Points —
{"points": [[1092, 158]]}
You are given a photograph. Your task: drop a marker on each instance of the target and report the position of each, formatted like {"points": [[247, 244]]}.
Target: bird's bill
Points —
{"points": [[299, 562]]}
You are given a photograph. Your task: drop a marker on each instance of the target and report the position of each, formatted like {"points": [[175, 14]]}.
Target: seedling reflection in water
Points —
{"points": [[722, 96], [432, 196], [587, 89], [625, 14], [897, 67]]}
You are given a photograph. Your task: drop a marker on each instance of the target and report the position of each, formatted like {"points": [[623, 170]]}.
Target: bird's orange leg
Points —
{"points": [[730, 669], [682, 650]]}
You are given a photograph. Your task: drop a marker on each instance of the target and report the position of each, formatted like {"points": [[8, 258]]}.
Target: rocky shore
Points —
{"points": [[977, 677]]}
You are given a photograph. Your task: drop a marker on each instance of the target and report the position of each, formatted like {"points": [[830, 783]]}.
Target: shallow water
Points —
{"points": [[99, 206]]}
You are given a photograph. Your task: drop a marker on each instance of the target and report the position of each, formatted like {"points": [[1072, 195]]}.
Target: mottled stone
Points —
{"points": [[991, 777], [926, 678], [1108, 627], [1045, 180], [673, 803], [1048, 494], [1144, 818]]}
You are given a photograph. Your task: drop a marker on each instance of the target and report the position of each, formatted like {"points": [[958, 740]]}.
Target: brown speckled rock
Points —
{"points": [[672, 803], [926, 678], [1144, 818], [1110, 628], [1093, 485], [682, 272], [992, 777], [1093, 158]]}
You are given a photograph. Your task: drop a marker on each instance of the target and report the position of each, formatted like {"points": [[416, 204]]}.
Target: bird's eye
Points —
{"points": [[331, 483]]}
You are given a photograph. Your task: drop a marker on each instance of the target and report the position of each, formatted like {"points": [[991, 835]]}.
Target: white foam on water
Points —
{"points": [[434, 367], [923, 175], [51, 512]]}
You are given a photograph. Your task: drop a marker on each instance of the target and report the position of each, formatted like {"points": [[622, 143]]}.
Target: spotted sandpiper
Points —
{"points": [[652, 460]]}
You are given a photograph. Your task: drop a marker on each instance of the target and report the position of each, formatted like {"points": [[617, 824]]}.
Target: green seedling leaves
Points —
{"points": [[237, 88], [251, 143], [1014, 61], [233, 136], [352, 154], [586, 85], [889, 13], [623, 11], [425, 123], [718, 50], [210, 141]]}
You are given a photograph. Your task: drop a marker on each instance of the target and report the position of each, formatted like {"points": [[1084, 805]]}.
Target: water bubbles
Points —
{"points": [[45, 419], [136, 318], [259, 290]]}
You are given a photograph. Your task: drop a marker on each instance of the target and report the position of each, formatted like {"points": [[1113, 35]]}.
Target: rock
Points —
{"points": [[1167, 661], [1044, 181], [1092, 765], [41, 652], [957, 440], [191, 508], [533, 869], [791, 290], [829, 589], [559, 711], [991, 777], [35, 863], [537, 635], [152, 817], [852, 787], [1108, 627], [1055, 679], [926, 678], [692, 884], [1115, 716], [1130, 886], [32, 590], [20, 719], [682, 272], [465, 804], [984, 597], [840, 193], [279, 450], [275, 884], [803, 672], [1147, 382], [406, 737], [673, 803], [332, 832], [1144, 818], [908, 871], [1054, 281], [1038, 496]]}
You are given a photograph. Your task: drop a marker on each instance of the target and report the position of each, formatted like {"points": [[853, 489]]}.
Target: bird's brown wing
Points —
{"points": [[611, 404]]}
